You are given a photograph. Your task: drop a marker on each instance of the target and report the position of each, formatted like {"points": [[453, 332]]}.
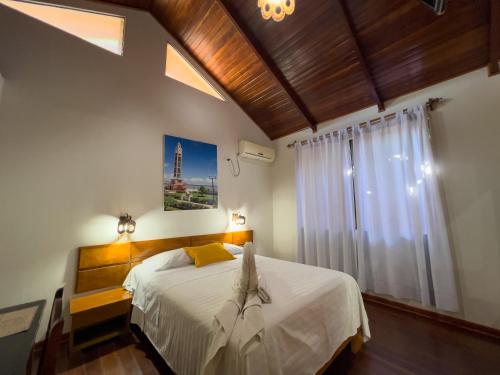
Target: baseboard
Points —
{"points": [[438, 317]]}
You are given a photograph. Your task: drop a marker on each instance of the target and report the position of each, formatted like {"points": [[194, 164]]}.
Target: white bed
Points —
{"points": [[313, 311]]}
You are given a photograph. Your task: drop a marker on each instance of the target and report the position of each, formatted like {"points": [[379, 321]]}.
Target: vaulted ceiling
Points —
{"points": [[330, 57]]}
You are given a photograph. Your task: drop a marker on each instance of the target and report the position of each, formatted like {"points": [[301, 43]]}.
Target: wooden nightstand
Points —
{"points": [[98, 317]]}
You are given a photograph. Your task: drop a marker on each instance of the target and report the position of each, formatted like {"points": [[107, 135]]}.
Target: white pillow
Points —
{"points": [[233, 249], [169, 259]]}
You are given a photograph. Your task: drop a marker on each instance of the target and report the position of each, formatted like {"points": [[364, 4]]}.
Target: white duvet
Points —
{"points": [[313, 311]]}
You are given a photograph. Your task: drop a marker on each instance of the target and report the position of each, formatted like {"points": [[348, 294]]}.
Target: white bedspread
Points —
{"points": [[313, 311]]}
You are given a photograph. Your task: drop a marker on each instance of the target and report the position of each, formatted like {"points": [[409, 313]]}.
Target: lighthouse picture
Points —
{"points": [[189, 174]]}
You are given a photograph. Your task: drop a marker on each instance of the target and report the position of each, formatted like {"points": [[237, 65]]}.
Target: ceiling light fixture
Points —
{"points": [[276, 9]]}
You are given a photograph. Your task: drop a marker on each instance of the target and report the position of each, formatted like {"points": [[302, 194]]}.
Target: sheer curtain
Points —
{"points": [[325, 204], [402, 239]]}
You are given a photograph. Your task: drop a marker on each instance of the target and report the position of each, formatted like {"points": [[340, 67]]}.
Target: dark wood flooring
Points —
{"points": [[401, 343]]}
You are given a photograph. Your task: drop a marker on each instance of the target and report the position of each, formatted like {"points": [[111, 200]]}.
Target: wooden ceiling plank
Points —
{"points": [[404, 47], [187, 49], [494, 48], [198, 63], [261, 53], [349, 25]]}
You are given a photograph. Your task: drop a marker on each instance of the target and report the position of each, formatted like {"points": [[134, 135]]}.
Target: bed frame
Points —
{"points": [[356, 343], [106, 266]]}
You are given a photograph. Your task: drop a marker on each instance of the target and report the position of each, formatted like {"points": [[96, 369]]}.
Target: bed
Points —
{"points": [[305, 323], [314, 313]]}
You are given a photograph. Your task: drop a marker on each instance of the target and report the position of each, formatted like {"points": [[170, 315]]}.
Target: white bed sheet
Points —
{"points": [[313, 311]]}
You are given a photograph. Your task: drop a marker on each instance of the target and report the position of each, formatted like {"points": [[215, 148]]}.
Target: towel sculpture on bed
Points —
{"points": [[262, 290], [241, 314], [264, 296]]}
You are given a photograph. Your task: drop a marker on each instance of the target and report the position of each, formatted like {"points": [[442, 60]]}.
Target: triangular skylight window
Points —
{"points": [[178, 68], [102, 30]]}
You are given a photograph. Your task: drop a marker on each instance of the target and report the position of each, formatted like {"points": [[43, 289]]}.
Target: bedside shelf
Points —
{"points": [[95, 334], [99, 317]]}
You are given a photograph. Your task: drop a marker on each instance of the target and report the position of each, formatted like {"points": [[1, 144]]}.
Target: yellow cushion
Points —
{"points": [[208, 254]]}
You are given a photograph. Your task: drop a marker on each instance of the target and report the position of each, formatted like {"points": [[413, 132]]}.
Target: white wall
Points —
{"points": [[466, 136], [81, 138]]}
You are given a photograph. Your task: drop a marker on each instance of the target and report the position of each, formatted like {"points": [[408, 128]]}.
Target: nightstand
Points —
{"points": [[98, 317]]}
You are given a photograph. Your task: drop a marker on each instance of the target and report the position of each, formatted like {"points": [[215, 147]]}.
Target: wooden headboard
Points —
{"points": [[105, 266]]}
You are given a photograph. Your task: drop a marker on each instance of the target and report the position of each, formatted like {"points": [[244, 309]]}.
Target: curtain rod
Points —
{"points": [[430, 104]]}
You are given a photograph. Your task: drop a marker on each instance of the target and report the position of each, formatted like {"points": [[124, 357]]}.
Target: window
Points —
{"points": [[400, 245], [178, 68], [103, 30]]}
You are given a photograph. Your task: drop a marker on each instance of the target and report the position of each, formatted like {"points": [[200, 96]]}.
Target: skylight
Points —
{"points": [[178, 68], [103, 30]]}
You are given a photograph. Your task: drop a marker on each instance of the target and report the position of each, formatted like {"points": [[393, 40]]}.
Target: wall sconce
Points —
{"points": [[239, 219], [126, 224]]}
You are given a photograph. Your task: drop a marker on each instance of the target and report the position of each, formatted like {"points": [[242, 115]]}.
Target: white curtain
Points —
{"points": [[402, 238], [325, 204]]}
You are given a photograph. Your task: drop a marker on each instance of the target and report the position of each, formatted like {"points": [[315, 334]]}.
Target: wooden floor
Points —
{"points": [[401, 344]]}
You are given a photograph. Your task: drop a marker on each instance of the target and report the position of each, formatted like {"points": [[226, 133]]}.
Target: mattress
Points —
{"points": [[313, 311]]}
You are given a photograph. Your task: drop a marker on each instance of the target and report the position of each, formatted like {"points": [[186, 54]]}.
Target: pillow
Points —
{"points": [[233, 249], [169, 259], [208, 254]]}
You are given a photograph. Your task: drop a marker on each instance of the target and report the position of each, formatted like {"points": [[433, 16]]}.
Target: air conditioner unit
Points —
{"points": [[251, 150]]}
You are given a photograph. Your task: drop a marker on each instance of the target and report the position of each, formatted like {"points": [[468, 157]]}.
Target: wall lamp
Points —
{"points": [[126, 224], [239, 219]]}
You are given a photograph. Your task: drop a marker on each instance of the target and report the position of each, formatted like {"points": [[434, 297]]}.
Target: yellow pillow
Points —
{"points": [[208, 254]]}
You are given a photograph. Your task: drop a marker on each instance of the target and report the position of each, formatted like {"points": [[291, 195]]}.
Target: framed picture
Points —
{"points": [[189, 174]]}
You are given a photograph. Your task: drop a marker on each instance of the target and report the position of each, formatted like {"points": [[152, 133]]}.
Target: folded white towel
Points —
{"points": [[253, 320], [252, 324], [263, 290], [224, 323], [243, 310]]}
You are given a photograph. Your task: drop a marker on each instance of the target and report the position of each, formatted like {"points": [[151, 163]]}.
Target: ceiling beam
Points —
{"points": [[494, 38], [349, 25], [267, 61]]}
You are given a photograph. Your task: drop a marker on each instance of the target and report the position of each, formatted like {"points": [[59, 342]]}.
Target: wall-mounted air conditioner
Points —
{"points": [[251, 150]]}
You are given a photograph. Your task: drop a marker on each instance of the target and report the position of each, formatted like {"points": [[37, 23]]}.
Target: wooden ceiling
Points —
{"points": [[330, 57]]}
